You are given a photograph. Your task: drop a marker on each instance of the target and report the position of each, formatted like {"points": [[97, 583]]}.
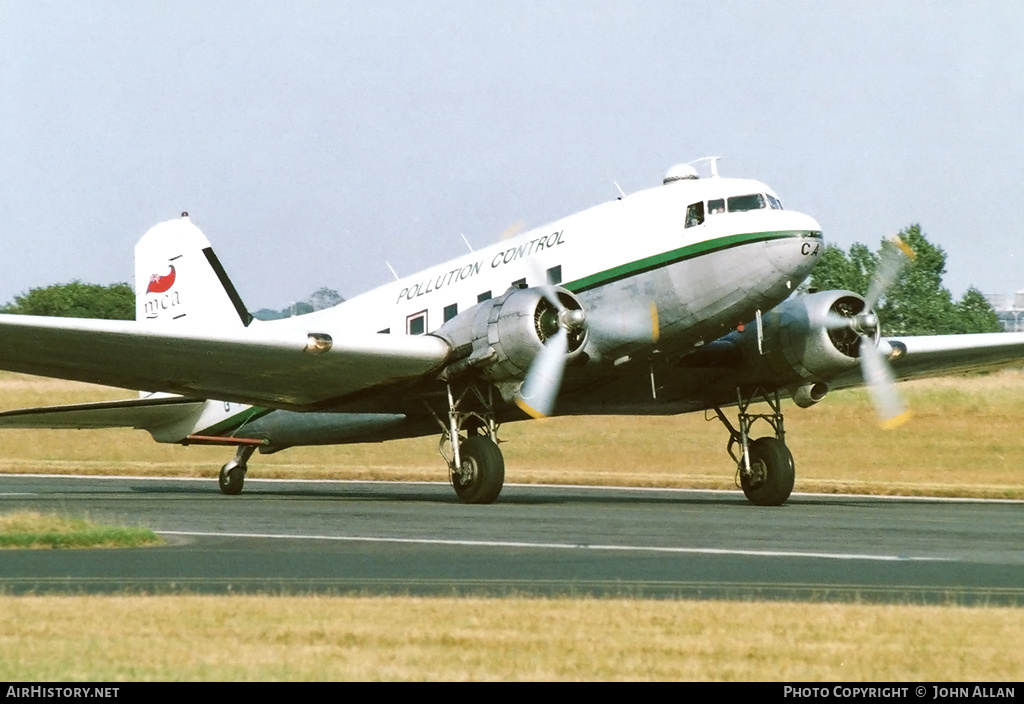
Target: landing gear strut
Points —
{"points": [[764, 467], [232, 475], [475, 464]]}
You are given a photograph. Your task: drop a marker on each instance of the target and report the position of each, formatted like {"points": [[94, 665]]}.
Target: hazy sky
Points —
{"points": [[312, 141]]}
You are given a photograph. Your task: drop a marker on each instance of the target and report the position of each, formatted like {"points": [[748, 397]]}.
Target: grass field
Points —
{"points": [[402, 638], [964, 440]]}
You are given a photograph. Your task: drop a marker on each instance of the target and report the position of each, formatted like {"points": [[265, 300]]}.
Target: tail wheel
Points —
{"points": [[232, 477], [772, 473], [482, 474]]}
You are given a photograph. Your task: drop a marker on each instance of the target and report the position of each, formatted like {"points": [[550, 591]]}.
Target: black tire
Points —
{"points": [[231, 479], [772, 473], [483, 471]]}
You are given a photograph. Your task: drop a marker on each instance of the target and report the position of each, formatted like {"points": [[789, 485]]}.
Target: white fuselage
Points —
{"points": [[771, 251]]}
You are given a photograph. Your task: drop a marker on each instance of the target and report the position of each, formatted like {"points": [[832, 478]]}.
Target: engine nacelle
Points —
{"points": [[797, 345], [796, 337], [501, 337]]}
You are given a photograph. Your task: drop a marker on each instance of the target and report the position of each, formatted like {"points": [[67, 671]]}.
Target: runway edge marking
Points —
{"points": [[560, 546]]}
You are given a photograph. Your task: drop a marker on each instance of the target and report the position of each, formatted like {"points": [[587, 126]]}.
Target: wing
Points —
{"points": [[268, 365], [936, 355], [193, 336]]}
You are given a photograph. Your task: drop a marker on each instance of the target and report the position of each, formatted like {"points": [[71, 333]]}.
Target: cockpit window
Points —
{"points": [[754, 201], [774, 202], [716, 206], [695, 214]]}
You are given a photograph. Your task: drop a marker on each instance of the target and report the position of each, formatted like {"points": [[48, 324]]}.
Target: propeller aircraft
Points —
{"points": [[679, 298]]}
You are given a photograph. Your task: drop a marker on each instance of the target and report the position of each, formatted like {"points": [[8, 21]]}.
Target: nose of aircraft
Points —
{"points": [[801, 251]]}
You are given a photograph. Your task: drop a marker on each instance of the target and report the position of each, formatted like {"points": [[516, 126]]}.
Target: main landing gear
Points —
{"points": [[469, 445], [232, 475], [764, 468]]}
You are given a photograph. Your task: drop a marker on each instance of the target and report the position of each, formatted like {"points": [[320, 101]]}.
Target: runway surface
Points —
{"points": [[415, 538]]}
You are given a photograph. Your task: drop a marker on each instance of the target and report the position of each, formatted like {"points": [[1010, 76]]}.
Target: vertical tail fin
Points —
{"points": [[178, 279]]}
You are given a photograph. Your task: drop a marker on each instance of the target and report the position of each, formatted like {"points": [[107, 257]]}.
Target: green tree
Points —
{"points": [[976, 313], [917, 303], [322, 298], [325, 297], [77, 300], [836, 270]]}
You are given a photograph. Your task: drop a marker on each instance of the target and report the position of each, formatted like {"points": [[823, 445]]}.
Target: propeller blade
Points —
{"points": [[834, 321], [881, 385], [894, 255], [539, 391], [539, 279], [512, 230]]}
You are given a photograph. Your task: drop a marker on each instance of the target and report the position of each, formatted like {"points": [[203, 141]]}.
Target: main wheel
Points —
{"points": [[772, 473], [482, 474], [232, 477]]}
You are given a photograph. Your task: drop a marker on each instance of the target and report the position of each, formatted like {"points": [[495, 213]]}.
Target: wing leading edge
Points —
{"points": [[934, 355], [267, 365]]}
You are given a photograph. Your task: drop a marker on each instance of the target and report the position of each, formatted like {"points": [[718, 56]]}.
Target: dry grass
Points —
{"points": [[404, 638], [963, 440]]}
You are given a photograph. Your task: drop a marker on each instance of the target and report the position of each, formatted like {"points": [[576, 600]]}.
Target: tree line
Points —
{"points": [[117, 302], [917, 303], [76, 300]]}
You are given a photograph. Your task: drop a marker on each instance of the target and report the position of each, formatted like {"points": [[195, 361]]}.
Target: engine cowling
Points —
{"points": [[501, 337], [799, 338], [800, 344]]}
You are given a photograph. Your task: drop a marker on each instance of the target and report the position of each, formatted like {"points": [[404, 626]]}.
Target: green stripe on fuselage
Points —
{"points": [[674, 256]]}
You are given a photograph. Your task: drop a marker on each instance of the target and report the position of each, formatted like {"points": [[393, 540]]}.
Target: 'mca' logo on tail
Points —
{"points": [[158, 284]]}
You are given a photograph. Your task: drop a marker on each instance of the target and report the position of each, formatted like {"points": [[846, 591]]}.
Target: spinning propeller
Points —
{"points": [[560, 325], [874, 366]]}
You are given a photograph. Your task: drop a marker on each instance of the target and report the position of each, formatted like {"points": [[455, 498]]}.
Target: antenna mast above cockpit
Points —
{"points": [[711, 161]]}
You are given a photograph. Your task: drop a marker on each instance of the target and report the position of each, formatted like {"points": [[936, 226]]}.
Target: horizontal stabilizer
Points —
{"points": [[144, 414]]}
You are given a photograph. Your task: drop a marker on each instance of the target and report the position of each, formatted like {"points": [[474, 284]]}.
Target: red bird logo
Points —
{"points": [[159, 284]]}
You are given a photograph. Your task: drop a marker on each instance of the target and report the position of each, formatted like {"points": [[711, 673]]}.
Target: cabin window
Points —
{"points": [[555, 275], [716, 206], [485, 296], [519, 283], [774, 202], [695, 214], [737, 204], [416, 324], [451, 311], [385, 331]]}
